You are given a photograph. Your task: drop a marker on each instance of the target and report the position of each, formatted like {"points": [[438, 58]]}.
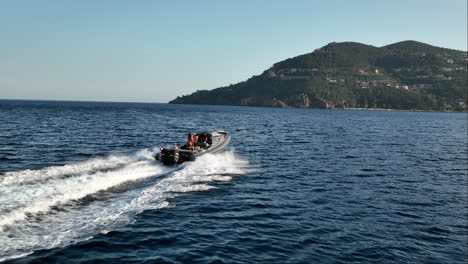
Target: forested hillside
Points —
{"points": [[404, 75]]}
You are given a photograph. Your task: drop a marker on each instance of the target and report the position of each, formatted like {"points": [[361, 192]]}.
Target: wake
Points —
{"points": [[62, 205]]}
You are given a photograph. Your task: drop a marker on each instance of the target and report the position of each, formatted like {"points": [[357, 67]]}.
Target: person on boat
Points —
{"points": [[189, 140], [202, 138], [195, 138]]}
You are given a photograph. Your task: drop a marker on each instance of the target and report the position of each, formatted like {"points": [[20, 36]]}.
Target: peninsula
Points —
{"points": [[407, 75]]}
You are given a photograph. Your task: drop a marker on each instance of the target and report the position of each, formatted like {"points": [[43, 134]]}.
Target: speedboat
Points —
{"points": [[215, 142]]}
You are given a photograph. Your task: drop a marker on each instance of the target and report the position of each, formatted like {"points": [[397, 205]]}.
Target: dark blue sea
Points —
{"points": [[78, 184]]}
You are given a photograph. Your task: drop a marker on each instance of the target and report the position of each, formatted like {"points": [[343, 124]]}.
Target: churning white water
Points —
{"points": [[62, 205]]}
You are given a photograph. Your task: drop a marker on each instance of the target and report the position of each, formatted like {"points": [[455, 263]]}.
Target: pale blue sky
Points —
{"points": [[153, 51]]}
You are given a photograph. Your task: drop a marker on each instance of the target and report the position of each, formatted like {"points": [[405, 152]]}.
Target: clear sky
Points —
{"points": [[153, 51]]}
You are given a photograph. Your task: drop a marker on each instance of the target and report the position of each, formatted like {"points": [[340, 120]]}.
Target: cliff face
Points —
{"points": [[404, 75]]}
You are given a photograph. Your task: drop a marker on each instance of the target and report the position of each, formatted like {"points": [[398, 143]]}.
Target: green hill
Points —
{"points": [[404, 75]]}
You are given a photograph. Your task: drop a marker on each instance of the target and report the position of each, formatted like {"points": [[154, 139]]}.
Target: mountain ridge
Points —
{"points": [[406, 75]]}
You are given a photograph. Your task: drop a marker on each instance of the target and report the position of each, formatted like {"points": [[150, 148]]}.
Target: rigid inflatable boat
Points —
{"points": [[215, 142]]}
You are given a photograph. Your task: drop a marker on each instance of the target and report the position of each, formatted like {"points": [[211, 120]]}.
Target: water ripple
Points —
{"points": [[297, 186]]}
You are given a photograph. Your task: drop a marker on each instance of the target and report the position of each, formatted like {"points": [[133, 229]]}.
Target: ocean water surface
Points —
{"points": [[78, 184]]}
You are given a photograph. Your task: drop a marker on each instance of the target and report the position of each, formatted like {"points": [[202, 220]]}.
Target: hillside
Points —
{"points": [[404, 75]]}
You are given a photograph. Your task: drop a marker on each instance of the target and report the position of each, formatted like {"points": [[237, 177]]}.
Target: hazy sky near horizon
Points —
{"points": [[153, 51]]}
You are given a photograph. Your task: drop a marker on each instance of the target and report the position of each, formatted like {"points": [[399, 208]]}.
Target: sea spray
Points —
{"points": [[69, 170], [47, 212]]}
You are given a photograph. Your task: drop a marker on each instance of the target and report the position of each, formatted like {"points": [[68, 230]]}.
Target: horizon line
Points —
{"points": [[77, 101]]}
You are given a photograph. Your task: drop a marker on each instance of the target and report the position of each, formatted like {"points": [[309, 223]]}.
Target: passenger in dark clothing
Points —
{"points": [[201, 140], [209, 139], [202, 137]]}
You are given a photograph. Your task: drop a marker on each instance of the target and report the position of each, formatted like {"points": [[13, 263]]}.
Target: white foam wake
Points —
{"points": [[43, 213], [89, 166], [27, 200]]}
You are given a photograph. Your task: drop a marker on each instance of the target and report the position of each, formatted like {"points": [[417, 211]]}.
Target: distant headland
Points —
{"points": [[407, 75]]}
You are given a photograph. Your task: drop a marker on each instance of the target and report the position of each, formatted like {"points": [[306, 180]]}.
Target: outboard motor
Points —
{"points": [[169, 156]]}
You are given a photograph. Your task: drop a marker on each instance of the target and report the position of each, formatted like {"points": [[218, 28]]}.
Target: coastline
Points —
{"points": [[347, 108], [405, 110]]}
